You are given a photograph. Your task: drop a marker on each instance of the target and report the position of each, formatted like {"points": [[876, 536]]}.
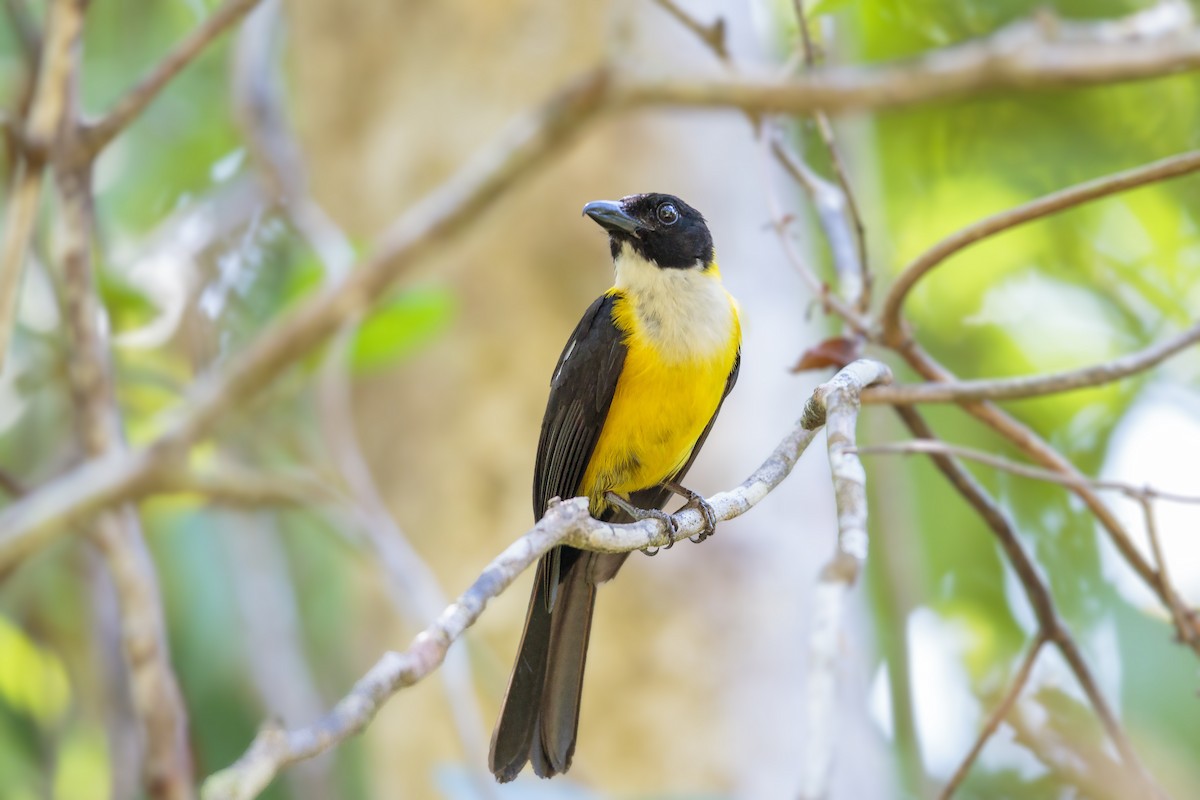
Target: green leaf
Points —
{"points": [[400, 328]]}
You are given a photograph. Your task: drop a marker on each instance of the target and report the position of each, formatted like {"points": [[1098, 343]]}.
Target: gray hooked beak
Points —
{"points": [[612, 217]]}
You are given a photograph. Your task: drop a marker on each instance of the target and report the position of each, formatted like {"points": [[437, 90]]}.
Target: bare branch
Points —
{"points": [[712, 35], [855, 275], [1026, 56], [157, 701], [34, 521], [995, 718], [830, 203], [1182, 616], [565, 522], [838, 401], [1034, 385], [934, 446], [63, 27], [1038, 594], [1042, 453], [1164, 169], [99, 133]]}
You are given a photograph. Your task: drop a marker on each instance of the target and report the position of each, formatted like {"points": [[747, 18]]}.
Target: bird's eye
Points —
{"points": [[668, 214]]}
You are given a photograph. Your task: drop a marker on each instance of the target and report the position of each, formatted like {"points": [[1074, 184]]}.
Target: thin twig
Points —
{"points": [[934, 446], [1181, 615], [1164, 169], [99, 133], [1037, 592], [1038, 450], [712, 35], [63, 28], [858, 289], [1035, 385], [995, 718]]}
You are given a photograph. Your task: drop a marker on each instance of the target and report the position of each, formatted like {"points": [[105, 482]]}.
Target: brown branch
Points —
{"points": [[1039, 451], [1020, 58], [99, 133], [38, 133], [1182, 616], [712, 35], [995, 718], [33, 522], [157, 701], [1034, 385], [932, 446], [856, 264], [1164, 169], [1037, 592], [565, 522]]}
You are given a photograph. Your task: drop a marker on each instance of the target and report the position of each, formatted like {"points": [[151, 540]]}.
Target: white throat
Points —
{"points": [[686, 313]]}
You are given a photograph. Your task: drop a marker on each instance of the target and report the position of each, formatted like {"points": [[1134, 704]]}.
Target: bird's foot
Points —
{"points": [[640, 514], [697, 502]]}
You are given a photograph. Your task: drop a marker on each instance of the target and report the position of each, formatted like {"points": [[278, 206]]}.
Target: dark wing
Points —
{"points": [[581, 392]]}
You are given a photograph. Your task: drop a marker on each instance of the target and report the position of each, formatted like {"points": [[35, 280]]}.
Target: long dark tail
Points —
{"points": [[540, 716]]}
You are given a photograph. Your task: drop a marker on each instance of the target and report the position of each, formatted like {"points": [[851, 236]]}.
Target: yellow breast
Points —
{"points": [[677, 363]]}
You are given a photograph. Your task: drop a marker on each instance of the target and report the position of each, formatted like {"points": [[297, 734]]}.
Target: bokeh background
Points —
{"points": [[694, 678]]}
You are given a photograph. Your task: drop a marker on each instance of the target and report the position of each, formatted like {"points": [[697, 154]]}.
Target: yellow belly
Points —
{"points": [[658, 412]]}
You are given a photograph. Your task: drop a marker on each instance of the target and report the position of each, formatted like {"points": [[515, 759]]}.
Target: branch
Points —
{"points": [[838, 400], [997, 716], [1164, 169], [1038, 594], [1183, 617], [712, 35], [565, 522], [933, 446], [1034, 385], [1038, 450], [154, 690], [36, 520], [1025, 56], [841, 207], [99, 133], [63, 27]]}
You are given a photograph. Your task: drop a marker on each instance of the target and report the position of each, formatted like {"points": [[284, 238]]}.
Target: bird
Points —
{"points": [[633, 397]]}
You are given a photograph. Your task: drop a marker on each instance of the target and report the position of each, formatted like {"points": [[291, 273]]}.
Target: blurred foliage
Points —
{"points": [[1078, 288]]}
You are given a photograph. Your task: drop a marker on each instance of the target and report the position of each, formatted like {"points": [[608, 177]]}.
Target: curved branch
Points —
{"points": [[99, 133], [1024, 57], [1038, 593], [839, 399], [1038, 450], [1164, 169], [37, 519], [565, 522], [1034, 385], [63, 28], [997, 716]]}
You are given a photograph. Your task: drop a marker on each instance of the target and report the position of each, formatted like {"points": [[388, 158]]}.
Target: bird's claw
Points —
{"points": [[710, 518], [640, 514], [694, 500]]}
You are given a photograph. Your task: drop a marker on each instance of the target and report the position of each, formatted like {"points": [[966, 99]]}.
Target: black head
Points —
{"points": [[659, 227]]}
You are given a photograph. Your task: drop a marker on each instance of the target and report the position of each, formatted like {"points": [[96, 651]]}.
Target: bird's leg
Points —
{"points": [[645, 513], [700, 504]]}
